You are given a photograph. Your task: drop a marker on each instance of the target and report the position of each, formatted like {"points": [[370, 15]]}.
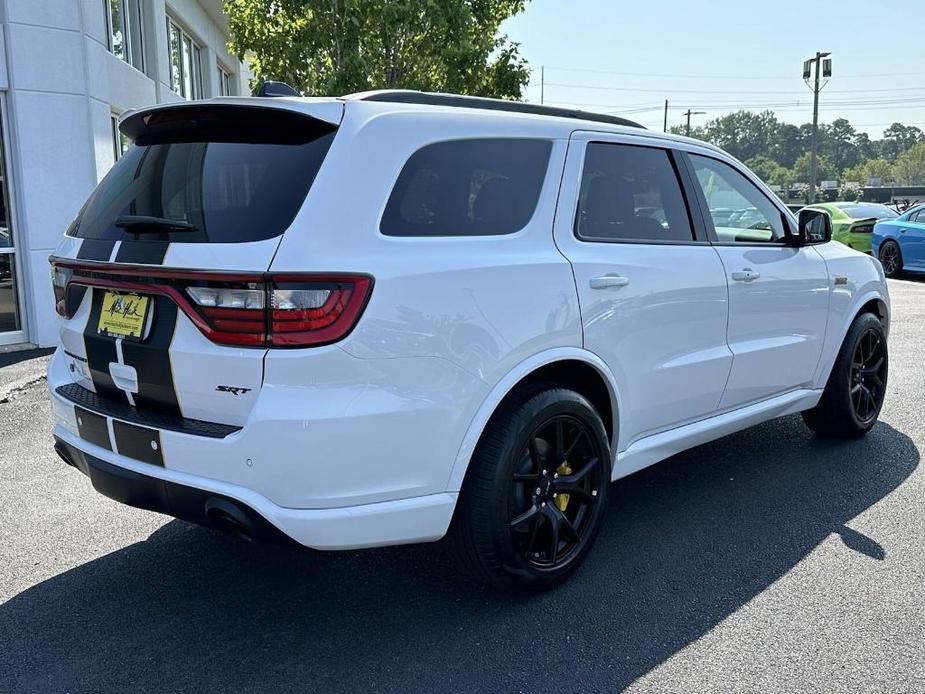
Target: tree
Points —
{"points": [[787, 145], [743, 134], [326, 47], [898, 138], [910, 165], [849, 191], [825, 169], [866, 170], [838, 143], [768, 170], [865, 148]]}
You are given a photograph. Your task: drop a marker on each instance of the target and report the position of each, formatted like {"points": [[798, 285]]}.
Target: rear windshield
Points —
{"points": [[868, 211], [227, 174]]}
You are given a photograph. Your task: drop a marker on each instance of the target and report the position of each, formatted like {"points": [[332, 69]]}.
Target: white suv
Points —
{"points": [[378, 319]]}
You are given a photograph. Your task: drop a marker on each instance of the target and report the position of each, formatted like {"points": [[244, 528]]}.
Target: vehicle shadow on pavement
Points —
{"points": [[685, 544]]}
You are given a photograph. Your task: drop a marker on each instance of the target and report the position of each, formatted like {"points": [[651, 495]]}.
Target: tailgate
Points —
{"points": [[157, 280]]}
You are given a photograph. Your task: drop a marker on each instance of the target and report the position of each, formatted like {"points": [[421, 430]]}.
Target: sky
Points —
{"points": [[627, 57]]}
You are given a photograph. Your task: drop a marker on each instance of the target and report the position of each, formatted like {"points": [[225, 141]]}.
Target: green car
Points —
{"points": [[853, 222]]}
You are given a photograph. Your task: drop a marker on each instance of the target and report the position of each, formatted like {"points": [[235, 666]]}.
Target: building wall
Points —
{"points": [[60, 87]]}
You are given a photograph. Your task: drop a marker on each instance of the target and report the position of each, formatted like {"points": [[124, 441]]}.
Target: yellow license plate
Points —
{"points": [[123, 315]]}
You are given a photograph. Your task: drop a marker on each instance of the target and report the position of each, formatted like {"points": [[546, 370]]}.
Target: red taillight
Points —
{"points": [[59, 279], [317, 311], [240, 309]]}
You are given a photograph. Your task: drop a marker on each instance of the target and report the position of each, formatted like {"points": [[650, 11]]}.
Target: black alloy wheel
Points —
{"points": [[890, 258], [554, 492], [535, 492], [868, 375], [854, 393]]}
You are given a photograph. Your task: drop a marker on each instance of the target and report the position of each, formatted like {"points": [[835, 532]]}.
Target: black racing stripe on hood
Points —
{"points": [[142, 252], [101, 351], [151, 359], [95, 249]]}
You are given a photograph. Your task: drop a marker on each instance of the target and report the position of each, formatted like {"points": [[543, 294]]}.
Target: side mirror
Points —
{"points": [[815, 226]]}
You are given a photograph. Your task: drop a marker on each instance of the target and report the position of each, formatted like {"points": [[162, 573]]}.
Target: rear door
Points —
{"points": [[652, 290], [198, 205], [912, 238], [778, 294]]}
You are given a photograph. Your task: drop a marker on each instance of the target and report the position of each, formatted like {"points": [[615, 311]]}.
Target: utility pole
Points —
{"points": [[812, 66], [542, 82], [690, 113], [665, 123]]}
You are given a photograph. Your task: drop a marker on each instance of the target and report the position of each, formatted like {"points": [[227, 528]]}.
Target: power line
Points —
{"points": [[662, 90], [718, 77], [848, 105]]}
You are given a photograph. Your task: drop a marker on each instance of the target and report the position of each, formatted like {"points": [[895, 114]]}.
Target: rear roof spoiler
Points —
{"points": [[328, 110]]}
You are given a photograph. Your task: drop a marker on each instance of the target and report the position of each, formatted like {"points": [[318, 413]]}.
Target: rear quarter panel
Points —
{"points": [[482, 303], [478, 306]]}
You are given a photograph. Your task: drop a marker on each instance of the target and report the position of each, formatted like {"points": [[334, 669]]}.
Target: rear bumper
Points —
{"points": [[229, 507]]}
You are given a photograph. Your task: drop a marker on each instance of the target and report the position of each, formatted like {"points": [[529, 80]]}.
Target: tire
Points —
{"points": [[853, 395], [891, 258], [502, 532]]}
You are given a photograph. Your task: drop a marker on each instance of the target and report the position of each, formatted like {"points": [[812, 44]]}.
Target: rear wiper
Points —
{"points": [[140, 224]]}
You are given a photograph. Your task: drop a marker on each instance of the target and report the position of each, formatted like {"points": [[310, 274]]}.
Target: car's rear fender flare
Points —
{"points": [[509, 382]]}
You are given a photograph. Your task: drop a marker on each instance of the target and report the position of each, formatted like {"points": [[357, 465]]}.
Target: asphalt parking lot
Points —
{"points": [[767, 561]]}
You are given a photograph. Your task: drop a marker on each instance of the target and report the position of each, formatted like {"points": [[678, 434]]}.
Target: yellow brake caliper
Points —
{"points": [[562, 499]]}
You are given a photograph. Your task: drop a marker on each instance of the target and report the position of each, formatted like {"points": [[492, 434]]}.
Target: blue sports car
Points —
{"points": [[900, 243]]}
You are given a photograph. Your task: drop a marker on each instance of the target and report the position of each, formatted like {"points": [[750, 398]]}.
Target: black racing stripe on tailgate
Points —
{"points": [[95, 249], [151, 359], [139, 443], [142, 252], [101, 351], [92, 427]]}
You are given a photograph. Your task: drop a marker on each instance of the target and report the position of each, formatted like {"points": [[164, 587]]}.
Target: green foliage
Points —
{"points": [[910, 165], [825, 169], [324, 47], [898, 138], [769, 170], [872, 168], [849, 191]]}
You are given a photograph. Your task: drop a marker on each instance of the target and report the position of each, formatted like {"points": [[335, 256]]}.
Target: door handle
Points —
{"points": [[746, 275], [607, 281]]}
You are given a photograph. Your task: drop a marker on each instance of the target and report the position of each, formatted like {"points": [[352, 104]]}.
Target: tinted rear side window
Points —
{"points": [[240, 176], [630, 193], [472, 187]]}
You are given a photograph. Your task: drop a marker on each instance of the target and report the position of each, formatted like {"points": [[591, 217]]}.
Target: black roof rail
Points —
{"points": [[409, 96]]}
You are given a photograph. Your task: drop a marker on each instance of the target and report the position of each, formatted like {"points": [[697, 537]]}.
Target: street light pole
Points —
{"points": [[542, 82], [689, 113], [665, 121], [816, 64]]}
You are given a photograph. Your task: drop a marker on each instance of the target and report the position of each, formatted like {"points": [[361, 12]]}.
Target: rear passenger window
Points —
{"points": [[630, 193], [480, 187]]}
